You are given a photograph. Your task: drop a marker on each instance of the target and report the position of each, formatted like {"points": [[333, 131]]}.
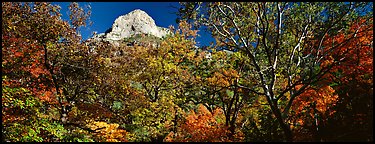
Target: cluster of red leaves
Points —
{"points": [[202, 126], [354, 52], [24, 66], [313, 106], [349, 59], [24, 41], [321, 99]]}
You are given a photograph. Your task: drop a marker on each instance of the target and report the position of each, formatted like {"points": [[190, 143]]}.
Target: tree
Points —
{"points": [[282, 41], [140, 85], [34, 43], [214, 84], [203, 126], [302, 70], [352, 79]]}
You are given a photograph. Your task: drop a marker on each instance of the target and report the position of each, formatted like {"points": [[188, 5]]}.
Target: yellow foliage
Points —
{"points": [[109, 132]]}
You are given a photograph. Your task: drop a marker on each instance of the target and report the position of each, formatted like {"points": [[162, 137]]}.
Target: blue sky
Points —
{"points": [[104, 14]]}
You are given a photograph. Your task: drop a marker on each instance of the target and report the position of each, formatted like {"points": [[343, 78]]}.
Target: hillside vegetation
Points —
{"points": [[276, 71]]}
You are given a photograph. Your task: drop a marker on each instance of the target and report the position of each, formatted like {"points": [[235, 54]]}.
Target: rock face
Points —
{"points": [[133, 23], [134, 28]]}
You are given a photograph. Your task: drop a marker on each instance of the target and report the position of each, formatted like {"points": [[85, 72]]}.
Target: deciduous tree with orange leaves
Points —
{"points": [[352, 79], [202, 126], [286, 45]]}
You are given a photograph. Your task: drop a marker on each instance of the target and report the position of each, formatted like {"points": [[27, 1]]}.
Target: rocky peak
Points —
{"points": [[131, 24]]}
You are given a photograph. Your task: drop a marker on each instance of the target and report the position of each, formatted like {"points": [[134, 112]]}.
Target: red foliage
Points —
{"points": [[349, 57], [24, 66]]}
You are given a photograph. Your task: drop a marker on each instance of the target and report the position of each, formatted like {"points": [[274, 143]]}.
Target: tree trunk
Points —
{"points": [[287, 131]]}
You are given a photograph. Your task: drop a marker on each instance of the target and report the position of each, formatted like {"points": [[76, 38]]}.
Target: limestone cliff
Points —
{"points": [[134, 23]]}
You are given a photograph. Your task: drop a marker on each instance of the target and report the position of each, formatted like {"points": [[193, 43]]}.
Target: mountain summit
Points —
{"points": [[133, 23]]}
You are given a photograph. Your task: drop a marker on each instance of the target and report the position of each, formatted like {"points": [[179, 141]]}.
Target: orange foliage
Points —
{"points": [[223, 78], [322, 100], [201, 127], [354, 52], [350, 54], [25, 67]]}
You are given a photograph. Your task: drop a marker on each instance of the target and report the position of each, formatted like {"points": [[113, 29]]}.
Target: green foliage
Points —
{"points": [[117, 105], [26, 122]]}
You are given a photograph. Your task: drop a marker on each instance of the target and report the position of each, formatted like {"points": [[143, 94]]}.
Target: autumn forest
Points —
{"points": [[276, 71]]}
